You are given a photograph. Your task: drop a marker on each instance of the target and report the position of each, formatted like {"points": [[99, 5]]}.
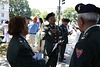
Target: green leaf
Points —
{"points": [[19, 7]]}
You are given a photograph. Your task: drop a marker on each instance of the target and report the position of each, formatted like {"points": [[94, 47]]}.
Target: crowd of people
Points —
{"points": [[45, 37]]}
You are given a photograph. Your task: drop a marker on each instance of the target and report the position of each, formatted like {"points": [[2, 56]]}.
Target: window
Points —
{"points": [[2, 6], [2, 14]]}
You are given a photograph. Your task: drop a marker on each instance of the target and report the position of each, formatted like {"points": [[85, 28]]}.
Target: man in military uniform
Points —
{"points": [[51, 34], [87, 50], [64, 26]]}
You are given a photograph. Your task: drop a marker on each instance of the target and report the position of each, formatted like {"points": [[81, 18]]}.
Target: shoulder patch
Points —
{"points": [[79, 52]]}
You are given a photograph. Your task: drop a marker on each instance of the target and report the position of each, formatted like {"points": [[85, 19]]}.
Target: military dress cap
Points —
{"points": [[66, 20], [98, 10], [49, 15], [82, 8]]}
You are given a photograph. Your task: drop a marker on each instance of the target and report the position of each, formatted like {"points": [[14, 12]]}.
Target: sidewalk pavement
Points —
{"points": [[4, 62], [67, 56]]}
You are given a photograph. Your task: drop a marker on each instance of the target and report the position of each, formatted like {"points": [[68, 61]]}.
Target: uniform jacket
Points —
{"points": [[19, 53], [65, 33], [87, 50], [51, 38]]}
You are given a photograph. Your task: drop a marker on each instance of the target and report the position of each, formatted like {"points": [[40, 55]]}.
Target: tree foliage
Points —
{"points": [[3, 2], [36, 12], [19, 7], [56, 16], [44, 14], [69, 13]]}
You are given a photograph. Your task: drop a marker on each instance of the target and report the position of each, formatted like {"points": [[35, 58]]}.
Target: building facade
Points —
{"points": [[4, 11]]}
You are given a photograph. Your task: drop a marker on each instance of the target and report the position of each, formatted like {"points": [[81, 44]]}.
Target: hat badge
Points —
{"points": [[79, 7]]}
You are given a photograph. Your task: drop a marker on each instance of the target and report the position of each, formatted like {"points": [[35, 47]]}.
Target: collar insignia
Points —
{"points": [[82, 38], [19, 38], [79, 52], [21, 42], [86, 33]]}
